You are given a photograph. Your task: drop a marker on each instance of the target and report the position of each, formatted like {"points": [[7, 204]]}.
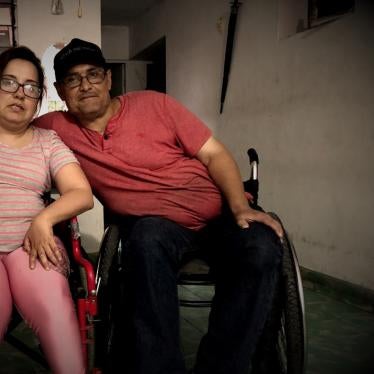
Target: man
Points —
{"points": [[152, 162]]}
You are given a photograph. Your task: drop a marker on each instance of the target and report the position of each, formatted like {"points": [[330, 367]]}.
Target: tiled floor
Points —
{"points": [[340, 338]]}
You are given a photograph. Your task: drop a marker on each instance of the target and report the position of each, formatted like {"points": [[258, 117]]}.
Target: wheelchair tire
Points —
{"points": [[108, 248], [282, 345], [106, 280], [291, 345]]}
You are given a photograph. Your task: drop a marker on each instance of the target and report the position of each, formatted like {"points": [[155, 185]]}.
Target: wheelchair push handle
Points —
{"points": [[251, 185], [253, 161], [253, 156]]}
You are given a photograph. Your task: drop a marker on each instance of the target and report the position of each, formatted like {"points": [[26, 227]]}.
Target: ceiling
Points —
{"points": [[122, 12]]}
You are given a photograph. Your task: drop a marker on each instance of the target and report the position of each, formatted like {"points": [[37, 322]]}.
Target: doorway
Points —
{"points": [[156, 69]]}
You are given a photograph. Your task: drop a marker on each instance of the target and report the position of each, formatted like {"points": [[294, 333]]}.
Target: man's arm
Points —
{"points": [[225, 172], [44, 121]]}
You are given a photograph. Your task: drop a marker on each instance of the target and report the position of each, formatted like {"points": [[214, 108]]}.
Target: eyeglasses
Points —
{"points": [[10, 85], [93, 76]]}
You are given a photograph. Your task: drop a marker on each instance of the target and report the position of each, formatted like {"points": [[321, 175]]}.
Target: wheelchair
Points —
{"points": [[284, 336]]}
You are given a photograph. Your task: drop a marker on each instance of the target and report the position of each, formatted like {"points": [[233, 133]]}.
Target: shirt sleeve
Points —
{"points": [[60, 155], [45, 121], [190, 131]]}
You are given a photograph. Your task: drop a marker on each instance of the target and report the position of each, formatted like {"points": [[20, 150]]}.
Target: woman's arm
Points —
{"points": [[75, 198]]}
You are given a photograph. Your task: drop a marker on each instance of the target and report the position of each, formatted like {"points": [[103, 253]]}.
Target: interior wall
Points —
{"points": [[115, 42], [304, 102], [39, 30], [195, 41]]}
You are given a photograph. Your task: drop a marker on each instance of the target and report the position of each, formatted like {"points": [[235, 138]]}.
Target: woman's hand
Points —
{"points": [[40, 244], [75, 198]]}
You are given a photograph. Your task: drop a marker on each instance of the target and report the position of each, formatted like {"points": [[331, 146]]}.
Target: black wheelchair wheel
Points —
{"points": [[292, 334], [107, 252], [107, 281], [291, 342], [282, 345]]}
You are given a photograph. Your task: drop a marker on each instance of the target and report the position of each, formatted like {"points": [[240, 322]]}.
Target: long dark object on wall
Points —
{"points": [[229, 47]]}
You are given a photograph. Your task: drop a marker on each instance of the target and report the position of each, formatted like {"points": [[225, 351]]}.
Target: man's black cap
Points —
{"points": [[75, 53]]}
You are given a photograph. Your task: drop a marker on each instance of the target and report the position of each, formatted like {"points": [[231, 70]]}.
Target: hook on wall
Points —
{"points": [[57, 7], [79, 9]]}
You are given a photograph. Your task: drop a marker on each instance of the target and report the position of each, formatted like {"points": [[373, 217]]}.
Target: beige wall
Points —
{"points": [[39, 29], [305, 102], [115, 42]]}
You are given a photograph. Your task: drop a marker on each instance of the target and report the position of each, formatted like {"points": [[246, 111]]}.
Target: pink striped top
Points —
{"points": [[25, 174]]}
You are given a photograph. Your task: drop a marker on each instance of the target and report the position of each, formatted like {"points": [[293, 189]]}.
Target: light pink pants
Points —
{"points": [[44, 301]]}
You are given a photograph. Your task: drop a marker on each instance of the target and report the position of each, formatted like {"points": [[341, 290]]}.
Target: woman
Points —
{"points": [[33, 264]]}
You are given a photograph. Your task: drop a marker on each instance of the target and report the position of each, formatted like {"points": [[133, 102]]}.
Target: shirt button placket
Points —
{"points": [[107, 142]]}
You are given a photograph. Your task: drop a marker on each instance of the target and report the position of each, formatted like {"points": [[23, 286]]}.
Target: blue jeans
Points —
{"points": [[246, 264]]}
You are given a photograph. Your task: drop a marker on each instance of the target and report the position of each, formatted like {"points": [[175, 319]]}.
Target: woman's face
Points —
{"points": [[16, 109]]}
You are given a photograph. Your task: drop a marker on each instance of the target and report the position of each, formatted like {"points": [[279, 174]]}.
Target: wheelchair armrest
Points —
{"points": [[78, 257]]}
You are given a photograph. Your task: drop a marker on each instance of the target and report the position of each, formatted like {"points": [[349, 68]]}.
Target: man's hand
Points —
{"points": [[40, 244], [245, 216]]}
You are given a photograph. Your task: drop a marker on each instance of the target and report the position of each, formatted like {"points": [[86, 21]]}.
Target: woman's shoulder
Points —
{"points": [[45, 136], [44, 133]]}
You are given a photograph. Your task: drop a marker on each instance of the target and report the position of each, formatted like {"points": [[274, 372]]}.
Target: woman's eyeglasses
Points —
{"points": [[10, 85]]}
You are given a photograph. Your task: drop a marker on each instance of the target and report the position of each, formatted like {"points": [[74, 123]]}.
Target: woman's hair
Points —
{"points": [[23, 53]]}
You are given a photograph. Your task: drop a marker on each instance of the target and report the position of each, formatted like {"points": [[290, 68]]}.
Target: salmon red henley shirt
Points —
{"points": [[144, 163]]}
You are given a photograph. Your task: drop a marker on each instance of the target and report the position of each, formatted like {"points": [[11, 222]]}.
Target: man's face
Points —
{"points": [[85, 89]]}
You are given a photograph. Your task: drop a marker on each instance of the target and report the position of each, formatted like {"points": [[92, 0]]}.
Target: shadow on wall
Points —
{"points": [[51, 101]]}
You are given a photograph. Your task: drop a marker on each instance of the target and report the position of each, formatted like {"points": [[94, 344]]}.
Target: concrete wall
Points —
{"points": [[306, 104], [40, 30]]}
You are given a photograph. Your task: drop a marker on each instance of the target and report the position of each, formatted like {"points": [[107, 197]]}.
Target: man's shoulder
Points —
{"points": [[51, 120], [145, 102], [144, 95]]}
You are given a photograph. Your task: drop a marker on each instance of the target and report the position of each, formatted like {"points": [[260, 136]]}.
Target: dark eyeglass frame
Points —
{"points": [[93, 76], [15, 85]]}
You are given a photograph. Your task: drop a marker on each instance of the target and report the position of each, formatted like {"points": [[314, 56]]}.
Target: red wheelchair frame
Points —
{"points": [[86, 306]]}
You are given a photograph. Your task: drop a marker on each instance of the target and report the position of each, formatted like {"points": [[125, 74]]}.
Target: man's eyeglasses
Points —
{"points": [[10, 85], [93, 76]]}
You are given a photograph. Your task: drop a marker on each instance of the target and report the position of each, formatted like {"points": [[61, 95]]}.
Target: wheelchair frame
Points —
{"points": [[86, 305]]}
